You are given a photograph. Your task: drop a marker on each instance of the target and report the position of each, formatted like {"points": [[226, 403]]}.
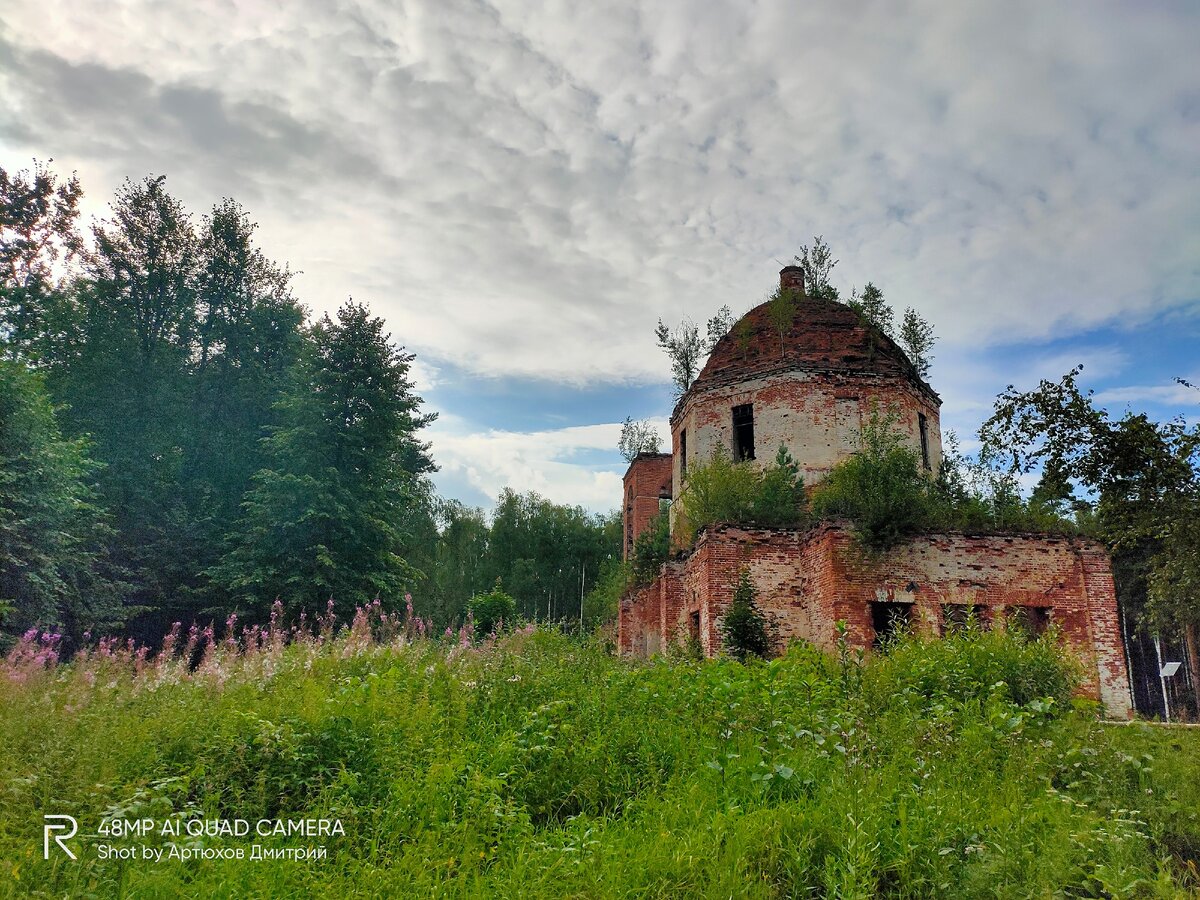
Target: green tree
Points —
{"points": [[744, 631], [493, 611], [636, 438], [875, 310], [323, 518], [684, 349], [547, 553], [1136, 481], [458, 567], [53, 571], [651, 549], [602, 601], [918, 339], [781, 312], [124, 379], [248, 341], [718, 326], [780, 501], [38, 235], [818, 263]]}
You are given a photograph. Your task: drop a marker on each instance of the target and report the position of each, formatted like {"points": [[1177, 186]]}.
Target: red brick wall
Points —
{"points": [[807, 581], [647, 481], [638, 622]]}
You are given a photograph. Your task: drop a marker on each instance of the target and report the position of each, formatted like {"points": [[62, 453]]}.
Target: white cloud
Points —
{"points": [[524, 189], [1173, 395], [557, 463]]}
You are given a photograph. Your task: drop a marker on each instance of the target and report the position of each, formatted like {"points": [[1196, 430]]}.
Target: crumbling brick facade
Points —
{"points": [[807, 581], [647, 491], [810, 388]]}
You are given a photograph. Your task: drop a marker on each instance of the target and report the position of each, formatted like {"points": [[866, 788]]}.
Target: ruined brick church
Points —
{"points": [[809, 388]]}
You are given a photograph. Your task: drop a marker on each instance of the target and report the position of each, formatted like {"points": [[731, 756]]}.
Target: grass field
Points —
{"points": [[538, 765]]}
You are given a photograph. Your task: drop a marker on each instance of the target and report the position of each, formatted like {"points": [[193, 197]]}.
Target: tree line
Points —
{"points": [[181, 439]]}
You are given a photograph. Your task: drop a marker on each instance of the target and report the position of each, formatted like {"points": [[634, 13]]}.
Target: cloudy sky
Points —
{"points": [[523, 188]]}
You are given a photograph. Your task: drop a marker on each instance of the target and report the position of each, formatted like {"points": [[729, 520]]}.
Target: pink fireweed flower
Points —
{"points": [[169, 643], [276, 634], [325, 623]]}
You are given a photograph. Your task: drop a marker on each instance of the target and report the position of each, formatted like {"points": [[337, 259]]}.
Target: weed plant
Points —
{"points": [[536, 765]]}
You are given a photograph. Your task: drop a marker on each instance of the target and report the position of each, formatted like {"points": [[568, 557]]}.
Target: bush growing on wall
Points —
{"points": [[780, 500], [886, 493], [881, 488], [651, 549], [722, 491]]}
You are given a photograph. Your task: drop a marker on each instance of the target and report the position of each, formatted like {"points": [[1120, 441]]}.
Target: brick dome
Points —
{"points": [[824, 336]]}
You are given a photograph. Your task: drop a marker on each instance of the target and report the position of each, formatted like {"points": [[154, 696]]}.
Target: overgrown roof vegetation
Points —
{"points": [[886, 493], [724, 492], [687, 350], [882, 489]]}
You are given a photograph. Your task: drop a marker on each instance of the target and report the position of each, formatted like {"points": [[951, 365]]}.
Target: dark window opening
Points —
{"points": [[923, 425], [957, 616], [1031, 620], [889, 620], [743, 432], [683, 451], [694, 625]]}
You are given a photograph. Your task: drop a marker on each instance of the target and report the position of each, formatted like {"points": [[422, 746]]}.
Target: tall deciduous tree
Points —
{"points": [[125, 380], [324, 518], [248, 341], [52, 566], [685, 350], [1138, 480], [817, 262], [637, 437], [38, 234]]}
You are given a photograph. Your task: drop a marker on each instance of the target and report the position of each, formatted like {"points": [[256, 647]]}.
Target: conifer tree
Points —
{"points": [[744, 627], [326, 516]]}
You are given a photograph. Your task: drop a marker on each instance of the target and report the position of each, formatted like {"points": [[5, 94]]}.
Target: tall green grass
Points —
{"points": [[540, 766]]}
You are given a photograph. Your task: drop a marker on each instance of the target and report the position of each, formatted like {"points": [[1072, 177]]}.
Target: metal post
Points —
{"points": [[1128, 658], [1162, 679]]}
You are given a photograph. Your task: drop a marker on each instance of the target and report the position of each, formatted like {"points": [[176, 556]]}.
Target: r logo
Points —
{"points": [[58, 823]]}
